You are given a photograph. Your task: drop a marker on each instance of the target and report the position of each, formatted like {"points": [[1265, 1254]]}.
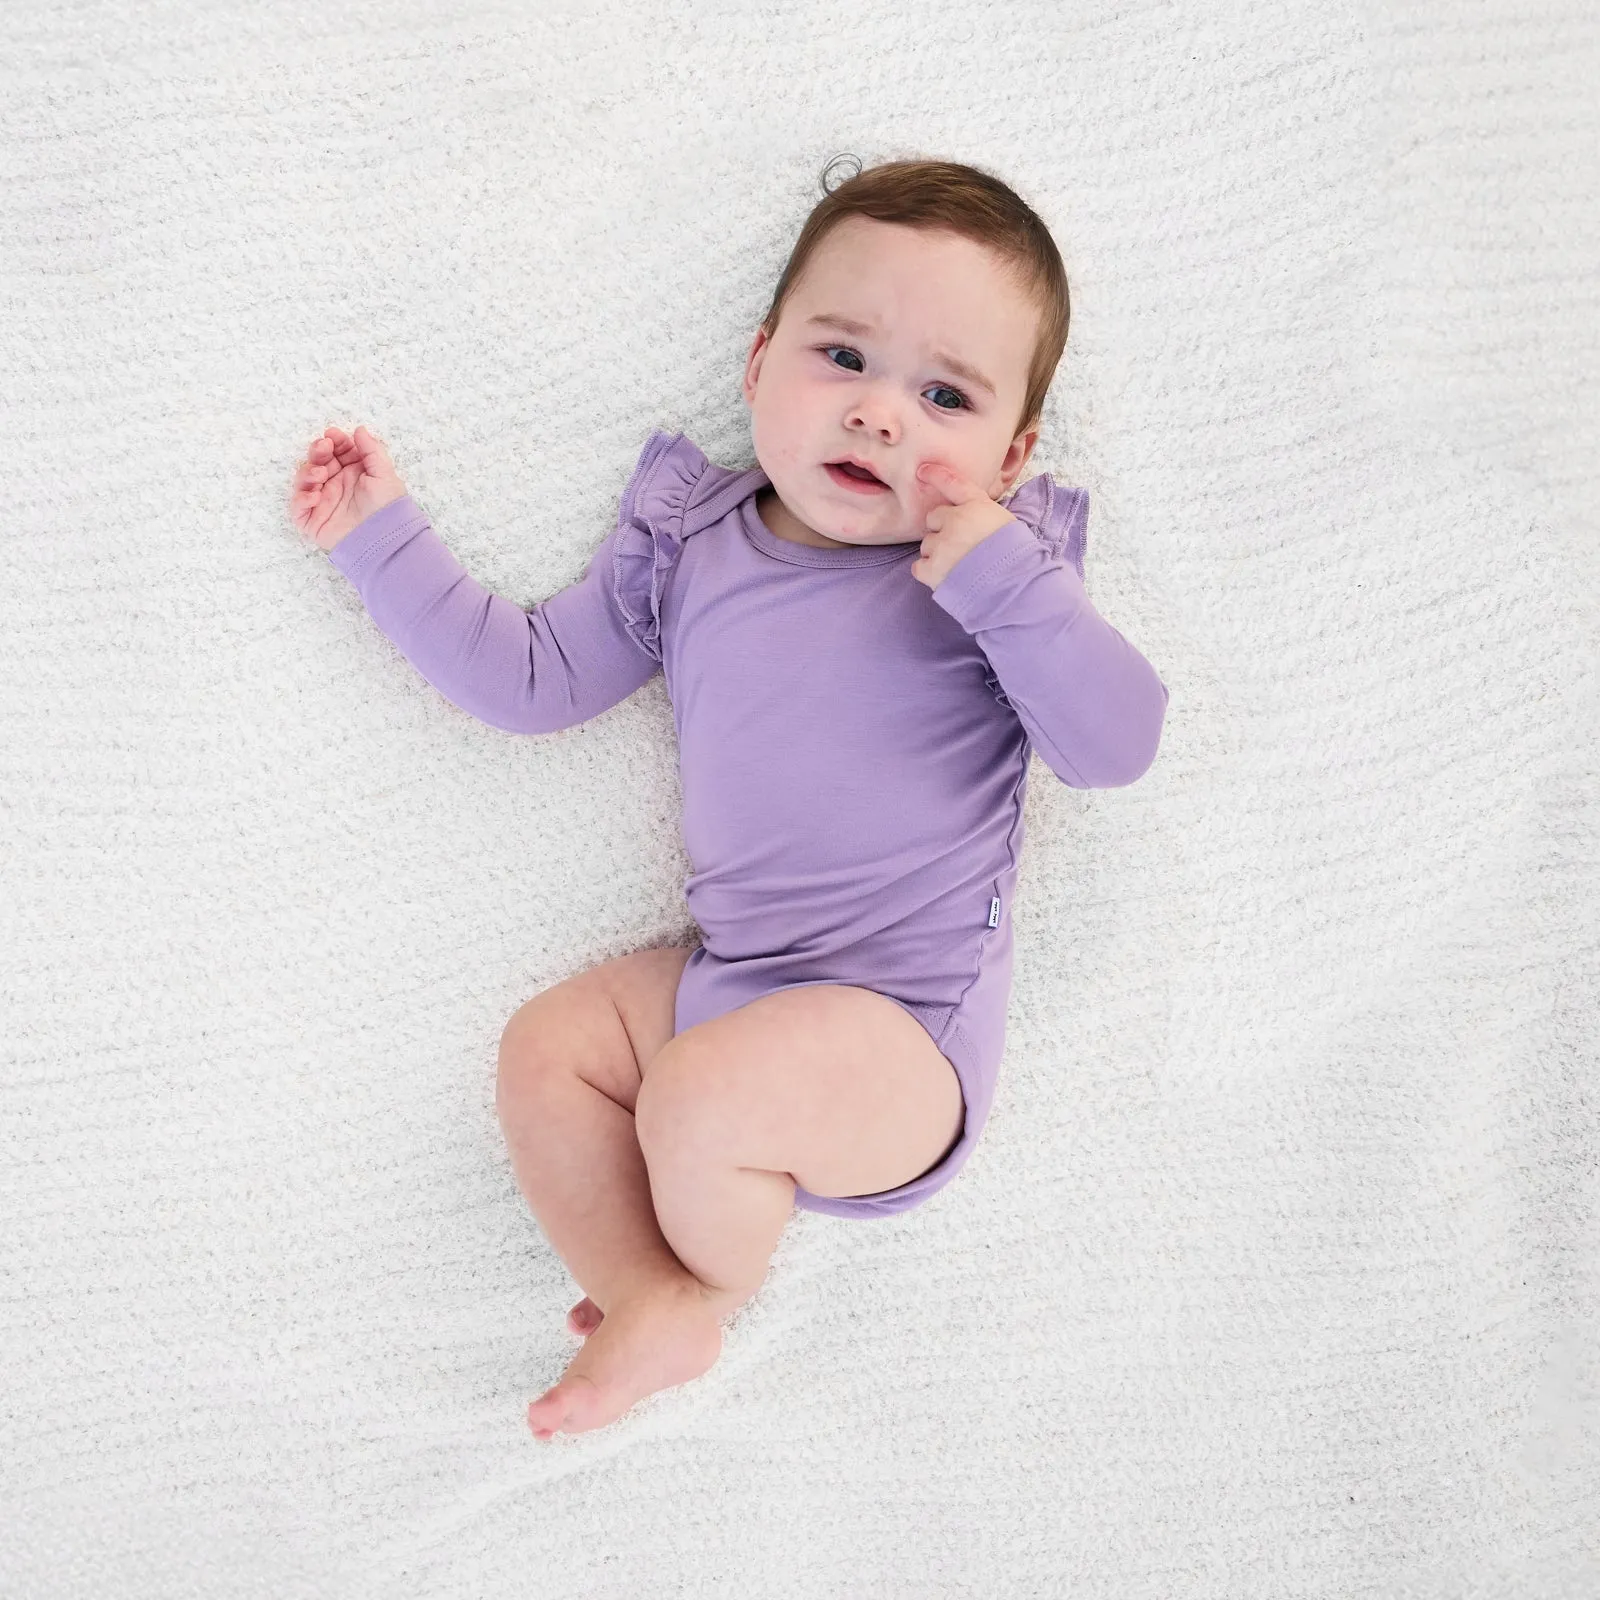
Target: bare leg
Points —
{"points": [[723, 1221], [577, 1160]]}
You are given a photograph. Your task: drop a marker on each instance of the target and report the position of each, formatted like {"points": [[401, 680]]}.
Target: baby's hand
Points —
{"points": [[341, 482]]}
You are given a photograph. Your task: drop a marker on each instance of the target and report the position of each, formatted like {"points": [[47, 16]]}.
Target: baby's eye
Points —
{"points": [[962, 402]]}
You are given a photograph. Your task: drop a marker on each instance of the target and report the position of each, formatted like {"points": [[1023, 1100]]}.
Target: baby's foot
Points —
{"points": [[655, 1342]]}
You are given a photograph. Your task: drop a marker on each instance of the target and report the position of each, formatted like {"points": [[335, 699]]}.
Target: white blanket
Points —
{"points": [[1278, 1270]]}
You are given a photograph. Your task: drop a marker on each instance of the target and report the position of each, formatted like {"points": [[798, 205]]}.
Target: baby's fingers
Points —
{"points": [[340, 444]]}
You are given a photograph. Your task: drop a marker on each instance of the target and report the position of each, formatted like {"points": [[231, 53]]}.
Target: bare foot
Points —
{"points": [[584, 1317], [655, 1342]]}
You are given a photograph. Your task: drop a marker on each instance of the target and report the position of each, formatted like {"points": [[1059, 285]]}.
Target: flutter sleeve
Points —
{"points": [[651, 531], [1092, 705], [523, 671]]}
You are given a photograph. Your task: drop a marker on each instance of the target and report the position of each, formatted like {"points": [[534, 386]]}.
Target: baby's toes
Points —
{"points": [[575, 1405], [584, 1317]]}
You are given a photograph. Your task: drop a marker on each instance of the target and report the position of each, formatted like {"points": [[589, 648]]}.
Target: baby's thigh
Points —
{"points": [[834, 1084], [606, 1024]]}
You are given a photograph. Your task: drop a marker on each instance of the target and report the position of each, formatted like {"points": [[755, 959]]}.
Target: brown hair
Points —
{"points": [[963, 200]]}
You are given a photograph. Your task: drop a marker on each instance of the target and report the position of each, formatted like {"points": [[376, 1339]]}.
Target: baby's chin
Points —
{"points": [[886, 535], [864, 540], [868, 530]]}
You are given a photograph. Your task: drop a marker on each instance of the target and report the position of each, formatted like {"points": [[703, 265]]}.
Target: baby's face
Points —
{"points": [[893, 396]]}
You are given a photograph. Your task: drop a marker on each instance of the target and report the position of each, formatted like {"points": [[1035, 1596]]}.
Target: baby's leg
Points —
{"points": [[571, 1064]]}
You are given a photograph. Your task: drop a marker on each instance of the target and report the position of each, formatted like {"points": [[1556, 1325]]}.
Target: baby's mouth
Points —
{"points": [[842, 472]]}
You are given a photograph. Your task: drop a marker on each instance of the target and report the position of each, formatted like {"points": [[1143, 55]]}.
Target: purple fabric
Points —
{"points": [[853, 746]]}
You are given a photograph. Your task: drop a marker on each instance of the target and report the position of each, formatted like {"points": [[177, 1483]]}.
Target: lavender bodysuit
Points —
{"points": [[853, 746]]}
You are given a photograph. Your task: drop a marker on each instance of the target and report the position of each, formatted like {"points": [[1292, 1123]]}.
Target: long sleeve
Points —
{"points": [[1092, 705], [538, 671]]}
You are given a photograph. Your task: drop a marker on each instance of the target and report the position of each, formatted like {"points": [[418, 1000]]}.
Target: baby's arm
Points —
{"points": [[537, 671], [1093, 706]]}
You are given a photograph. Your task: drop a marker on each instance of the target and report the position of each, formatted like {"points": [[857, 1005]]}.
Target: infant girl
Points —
{"points": [[865, 638]]}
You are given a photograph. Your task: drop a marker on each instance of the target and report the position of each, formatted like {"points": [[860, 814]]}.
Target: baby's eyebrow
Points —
{"points": [[831, 319]]}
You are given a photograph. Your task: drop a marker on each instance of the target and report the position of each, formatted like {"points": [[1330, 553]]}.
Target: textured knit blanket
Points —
{"points": [[1277, 1272]]}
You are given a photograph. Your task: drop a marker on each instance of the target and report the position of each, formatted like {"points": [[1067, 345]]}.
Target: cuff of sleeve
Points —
{"points": [[388, 526], [971, 576]]}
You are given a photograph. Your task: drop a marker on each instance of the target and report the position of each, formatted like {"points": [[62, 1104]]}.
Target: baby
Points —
{"points": [[863, 647]]}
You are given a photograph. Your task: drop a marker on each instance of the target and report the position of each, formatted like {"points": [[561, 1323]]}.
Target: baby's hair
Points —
{"points": [[958, 199]]}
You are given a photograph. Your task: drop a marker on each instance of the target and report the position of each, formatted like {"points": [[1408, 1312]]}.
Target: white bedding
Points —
{"points": [[1278, 1270]]}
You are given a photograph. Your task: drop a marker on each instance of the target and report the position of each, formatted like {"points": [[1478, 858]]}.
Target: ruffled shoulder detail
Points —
{"points": [[673, 493], [1057, 513]]}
